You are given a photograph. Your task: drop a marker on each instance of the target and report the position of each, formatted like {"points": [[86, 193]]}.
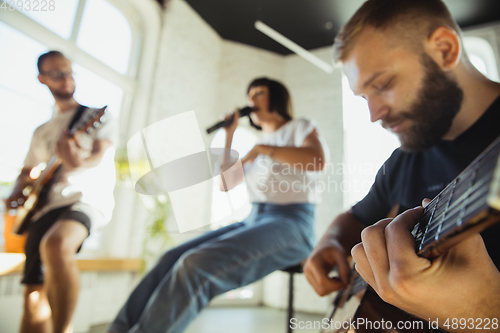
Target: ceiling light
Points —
{"points": [[292, 46]]}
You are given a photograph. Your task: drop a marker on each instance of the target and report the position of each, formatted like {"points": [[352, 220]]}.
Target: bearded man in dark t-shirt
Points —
{"points": [[406, 58]]}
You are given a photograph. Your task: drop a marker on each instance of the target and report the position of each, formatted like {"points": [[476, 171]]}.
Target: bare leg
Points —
{"points": [[36, 316], [57, 251]]}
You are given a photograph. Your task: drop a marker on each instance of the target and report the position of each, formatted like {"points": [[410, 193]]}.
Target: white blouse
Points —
{"points": [[269, 181]]}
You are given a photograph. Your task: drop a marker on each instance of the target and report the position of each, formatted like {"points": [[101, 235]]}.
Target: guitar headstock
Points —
{"points": [[90, 121]]}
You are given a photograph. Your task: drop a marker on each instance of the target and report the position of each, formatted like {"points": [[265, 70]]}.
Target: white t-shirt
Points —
{"points": [[270, 181], [92, 186]]}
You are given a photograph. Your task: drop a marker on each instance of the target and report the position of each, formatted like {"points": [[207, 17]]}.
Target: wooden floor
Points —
{"points": [[241, 320]]}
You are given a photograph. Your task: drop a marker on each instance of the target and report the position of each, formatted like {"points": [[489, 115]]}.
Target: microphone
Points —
{"points": [[242, 112]]}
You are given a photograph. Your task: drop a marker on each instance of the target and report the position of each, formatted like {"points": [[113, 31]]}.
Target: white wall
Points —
{"points": [[239, 64], [186, 74], [187, 65], [197, 70], [317, 95]]}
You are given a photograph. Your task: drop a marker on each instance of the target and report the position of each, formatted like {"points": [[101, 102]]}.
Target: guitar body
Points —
{"points": [[348, 300], [344, 308], [35, 199], [359, 309], [363, 311], [23, 215]]}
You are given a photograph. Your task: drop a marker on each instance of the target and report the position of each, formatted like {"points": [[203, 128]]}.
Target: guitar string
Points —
{"points": [[489, 157], [457, 205], [471, 211], [485, 178], [461, 180]]}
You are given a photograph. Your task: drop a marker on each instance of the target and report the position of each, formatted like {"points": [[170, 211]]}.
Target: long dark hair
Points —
{"points": [[279, 98]]}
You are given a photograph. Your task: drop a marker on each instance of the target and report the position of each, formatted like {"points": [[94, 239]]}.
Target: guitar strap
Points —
{"points": [[77, 116]]}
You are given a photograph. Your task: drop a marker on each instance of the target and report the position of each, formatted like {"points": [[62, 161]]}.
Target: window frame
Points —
{"points": [[485, 34], [144, 18]]}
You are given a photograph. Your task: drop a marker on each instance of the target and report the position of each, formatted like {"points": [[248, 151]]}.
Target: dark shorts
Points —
{"points": [[33, 273]]}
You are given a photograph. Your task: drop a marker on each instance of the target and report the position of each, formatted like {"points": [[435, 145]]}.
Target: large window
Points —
{"points": [[24, 103], [58, 17], [101, 24], [366, 146], [482, 56], [99, 39]]}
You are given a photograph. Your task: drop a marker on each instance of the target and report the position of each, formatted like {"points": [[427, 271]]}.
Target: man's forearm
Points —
{"points": [[345, 229], [75, 161], [333, 251], [91, 162]]}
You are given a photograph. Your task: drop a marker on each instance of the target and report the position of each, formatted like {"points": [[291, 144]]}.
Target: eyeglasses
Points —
{"points": [[57, 75]]}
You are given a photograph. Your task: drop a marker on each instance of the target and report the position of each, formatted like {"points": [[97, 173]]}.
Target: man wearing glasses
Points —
{"points": [[79, 200]]}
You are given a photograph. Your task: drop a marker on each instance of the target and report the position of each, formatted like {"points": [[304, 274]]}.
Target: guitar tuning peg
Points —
{"points": [[96, 124], [89, 130]]}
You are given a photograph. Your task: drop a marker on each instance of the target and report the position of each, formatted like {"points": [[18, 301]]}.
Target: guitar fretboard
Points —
{"points": [[461, 203]]}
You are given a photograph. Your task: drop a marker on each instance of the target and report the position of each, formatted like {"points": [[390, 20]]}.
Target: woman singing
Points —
{"points": [[280, 173]]}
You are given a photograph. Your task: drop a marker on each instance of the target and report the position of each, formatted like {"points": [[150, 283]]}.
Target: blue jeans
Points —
{"points": [[187, 277]]}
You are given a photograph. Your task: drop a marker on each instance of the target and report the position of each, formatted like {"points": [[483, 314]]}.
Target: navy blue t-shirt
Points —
{"points": [[408, 177]]}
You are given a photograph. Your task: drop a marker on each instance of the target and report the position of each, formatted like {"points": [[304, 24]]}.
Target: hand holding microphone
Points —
{"points": [[232, 119], [231, 122]]}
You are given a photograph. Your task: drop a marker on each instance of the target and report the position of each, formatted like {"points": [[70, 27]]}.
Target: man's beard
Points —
{"points": [[432, 113], [62, 95]]}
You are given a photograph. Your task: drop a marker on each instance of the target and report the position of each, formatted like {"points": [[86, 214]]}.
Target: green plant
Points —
{"points": [[6, 188], [156, 231], [156, 234]]}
